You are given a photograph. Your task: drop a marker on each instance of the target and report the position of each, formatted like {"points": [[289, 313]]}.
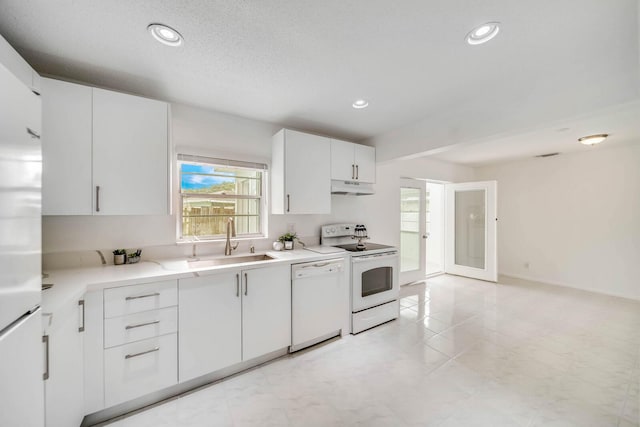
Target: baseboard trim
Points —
{"points": [[144, 402], [567, 285]]}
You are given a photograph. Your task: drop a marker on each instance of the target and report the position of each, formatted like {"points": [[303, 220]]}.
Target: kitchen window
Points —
{"points": [[213, 190]]}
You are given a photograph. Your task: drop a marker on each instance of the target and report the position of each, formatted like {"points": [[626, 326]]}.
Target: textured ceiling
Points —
{"points": [[301, 63]]}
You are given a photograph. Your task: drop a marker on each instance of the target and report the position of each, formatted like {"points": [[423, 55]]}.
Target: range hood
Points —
{"points": [[351, 188]]}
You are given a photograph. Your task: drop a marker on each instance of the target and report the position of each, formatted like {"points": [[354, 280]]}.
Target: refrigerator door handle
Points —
{"points": [[81, 304], [45, 340]]}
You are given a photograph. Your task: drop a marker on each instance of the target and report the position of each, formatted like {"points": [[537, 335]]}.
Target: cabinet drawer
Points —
{"points": [[137, 298], [142, 367], [140, 326]]}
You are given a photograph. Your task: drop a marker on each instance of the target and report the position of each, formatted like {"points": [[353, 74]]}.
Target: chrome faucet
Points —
{"points": [[104, 261], [231, 232]]}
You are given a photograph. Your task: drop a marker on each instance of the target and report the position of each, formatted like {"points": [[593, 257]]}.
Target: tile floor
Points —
{"points": [[462, 353]]}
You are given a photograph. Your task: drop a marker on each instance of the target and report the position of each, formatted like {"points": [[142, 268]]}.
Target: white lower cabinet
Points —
{"points": [[139, 368], [146, 337], [266, 310], [232, 317], [210, 324], [140, 326], [63, 385]]}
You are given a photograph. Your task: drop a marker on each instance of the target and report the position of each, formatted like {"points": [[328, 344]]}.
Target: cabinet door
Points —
{"points": [[64, 389], [66, 148], [210, 327], [13, 62], [342, 161], [130, 155], [266, 310], [307, 173], [142, 367], [365, 159]]}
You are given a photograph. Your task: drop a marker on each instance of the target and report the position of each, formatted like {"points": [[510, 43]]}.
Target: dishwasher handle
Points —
{"points": [[317, 269]]}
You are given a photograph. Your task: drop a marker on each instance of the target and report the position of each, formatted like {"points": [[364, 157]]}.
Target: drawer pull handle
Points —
{"points": [[155, 294], [140, 325], [142, 353]]}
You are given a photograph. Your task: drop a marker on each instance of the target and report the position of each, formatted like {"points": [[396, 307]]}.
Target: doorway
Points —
{"points": [[422, 229]]}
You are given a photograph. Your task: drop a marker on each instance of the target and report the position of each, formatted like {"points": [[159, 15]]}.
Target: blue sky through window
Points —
{"points": [[192, 181]]}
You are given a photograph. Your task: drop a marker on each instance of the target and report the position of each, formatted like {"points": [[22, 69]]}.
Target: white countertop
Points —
{"points": [[71, 284]]}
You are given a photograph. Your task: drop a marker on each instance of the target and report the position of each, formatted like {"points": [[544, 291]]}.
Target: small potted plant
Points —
{"points": [[119, 256], [287, 240]]}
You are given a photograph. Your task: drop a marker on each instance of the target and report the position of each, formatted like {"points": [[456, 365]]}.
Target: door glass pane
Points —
{"points": [[377, 280], [409, 229], [470, 228]]}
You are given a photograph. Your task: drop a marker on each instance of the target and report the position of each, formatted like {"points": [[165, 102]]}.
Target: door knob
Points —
{"points": [[425, 236]]}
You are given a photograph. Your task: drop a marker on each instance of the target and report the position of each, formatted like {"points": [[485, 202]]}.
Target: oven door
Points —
{"points": [[375, 280]]}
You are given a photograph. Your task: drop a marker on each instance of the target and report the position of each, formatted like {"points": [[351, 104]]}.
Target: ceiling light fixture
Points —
{"points": [[360, 104], [483, 33], [593, 139], [165, 35]]}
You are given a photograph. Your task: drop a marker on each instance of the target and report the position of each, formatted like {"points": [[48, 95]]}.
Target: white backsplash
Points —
{"points": [[91, 258]]}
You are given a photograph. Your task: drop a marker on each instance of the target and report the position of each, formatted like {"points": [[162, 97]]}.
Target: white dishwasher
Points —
{"points": [[319, 301]]}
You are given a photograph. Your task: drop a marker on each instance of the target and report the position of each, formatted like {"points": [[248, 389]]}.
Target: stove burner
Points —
{"points": [[354, 247]]}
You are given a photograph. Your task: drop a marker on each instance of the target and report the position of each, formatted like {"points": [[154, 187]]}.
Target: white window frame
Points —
{"points": [[264, 212]]}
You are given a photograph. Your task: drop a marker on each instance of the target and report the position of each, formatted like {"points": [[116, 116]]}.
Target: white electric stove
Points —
{"points": [[374, 275]]}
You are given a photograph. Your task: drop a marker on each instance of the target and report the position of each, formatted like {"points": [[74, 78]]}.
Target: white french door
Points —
{"points": [[471, 230], [412, 230]]}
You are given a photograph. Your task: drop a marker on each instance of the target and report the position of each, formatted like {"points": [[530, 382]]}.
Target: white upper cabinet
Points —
{"points": [[352, 162], [104, 153], [130, 155], [17, 65], [66, 148], [301, 173]]}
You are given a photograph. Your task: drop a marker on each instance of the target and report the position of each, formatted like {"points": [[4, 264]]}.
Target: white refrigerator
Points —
{"points": [[21, 347]]}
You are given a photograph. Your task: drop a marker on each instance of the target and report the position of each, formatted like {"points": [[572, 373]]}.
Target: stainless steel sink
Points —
{"points": [[225, 261]]}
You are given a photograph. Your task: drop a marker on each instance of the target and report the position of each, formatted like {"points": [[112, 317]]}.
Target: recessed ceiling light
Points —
{"points": [[593, 139], [360, 103], [165, 34], [483, 33]]}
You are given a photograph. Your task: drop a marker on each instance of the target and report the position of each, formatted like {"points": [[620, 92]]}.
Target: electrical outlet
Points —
{"points": [[291, 227]]}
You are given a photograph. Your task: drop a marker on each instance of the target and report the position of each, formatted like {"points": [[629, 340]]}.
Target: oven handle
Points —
{"points": [[377, 257]]}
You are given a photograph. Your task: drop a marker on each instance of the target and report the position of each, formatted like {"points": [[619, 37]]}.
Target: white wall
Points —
{"points": [[381, 212], [574, 218]]}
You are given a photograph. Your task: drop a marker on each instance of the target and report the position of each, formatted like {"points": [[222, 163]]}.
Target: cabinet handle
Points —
{"points": [[288, 202], [140, 325], [237, 285], [81, 304], [246, 284], [142, 353], [33, 134], [97, 198], [353, 171], [45, 340], [155, 294], [357, 173]]}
